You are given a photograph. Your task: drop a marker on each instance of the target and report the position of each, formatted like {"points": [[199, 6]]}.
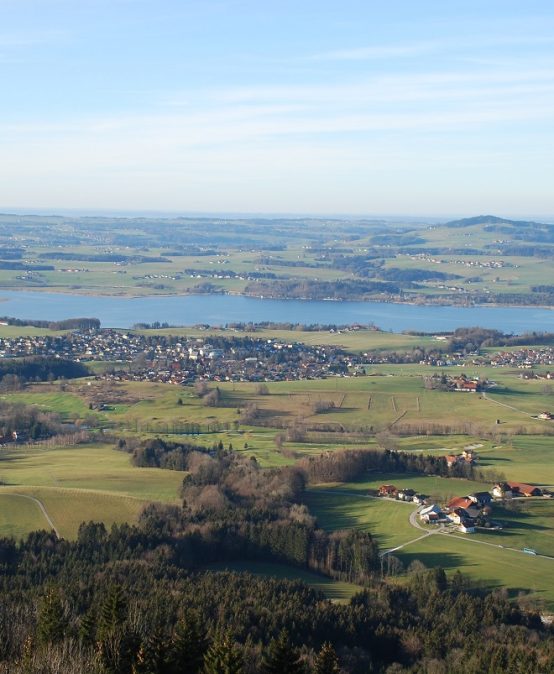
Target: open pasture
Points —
{"points": [[76, 484], [385, 520], [68, 508], [95, 467], [522, 458], [19, 515], [494, 567]]}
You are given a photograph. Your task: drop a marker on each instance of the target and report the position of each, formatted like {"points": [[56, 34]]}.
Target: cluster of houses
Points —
{"points": [[467, 384], [525, 359], [465, 512], [182, 360], [409, 495]]}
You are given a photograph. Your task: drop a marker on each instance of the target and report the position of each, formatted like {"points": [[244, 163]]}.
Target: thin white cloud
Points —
{"points": [[411, 49], [375, 52]]}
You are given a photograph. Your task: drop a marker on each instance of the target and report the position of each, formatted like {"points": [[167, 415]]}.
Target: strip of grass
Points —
{"points": [[439, 488]]}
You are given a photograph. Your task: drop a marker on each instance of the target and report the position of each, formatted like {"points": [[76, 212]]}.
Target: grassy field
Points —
{"points": [[385, 520], [394, 399], [349, 340], [19, 515], [96, 467], [68, 508], [335, 590], [76, 484], [9, 331], [494, 567], [437, 488], [529, 525]]}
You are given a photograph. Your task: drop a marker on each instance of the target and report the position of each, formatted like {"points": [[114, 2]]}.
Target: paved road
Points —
{"points": [[40, 504], [427, 532]]}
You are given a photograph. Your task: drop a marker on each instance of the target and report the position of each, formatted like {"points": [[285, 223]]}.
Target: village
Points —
{"points": [[181, 360], [467, 513], [524, 359]]}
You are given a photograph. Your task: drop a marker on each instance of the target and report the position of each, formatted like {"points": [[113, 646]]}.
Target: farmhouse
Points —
{"points": [[502, 490], [462, 383], [465, 503], [522, 489], [451, 460], [460, 502], [458, 515], [467, 527], [431, 513], [481, 498], [388, 490]]}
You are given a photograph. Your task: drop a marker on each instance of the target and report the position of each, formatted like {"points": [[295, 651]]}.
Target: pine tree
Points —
{"points": [[151, 657], [188, 646], [87, 629], [113, 612], [281, 657], [326, 661], [116, 646], [223, 656], [51, 619]]}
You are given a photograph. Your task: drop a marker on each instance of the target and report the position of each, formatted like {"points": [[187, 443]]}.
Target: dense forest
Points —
{"points": [[15, 372], [127, 602]]}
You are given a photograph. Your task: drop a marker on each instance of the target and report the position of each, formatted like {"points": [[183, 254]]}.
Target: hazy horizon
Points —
{"points": [[388, 217]]}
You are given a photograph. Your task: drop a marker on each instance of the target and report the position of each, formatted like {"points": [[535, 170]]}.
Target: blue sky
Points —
{"points": [[352, 107]]}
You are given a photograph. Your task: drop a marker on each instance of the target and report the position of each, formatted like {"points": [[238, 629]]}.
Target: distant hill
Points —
{"points": [[493, 220]]}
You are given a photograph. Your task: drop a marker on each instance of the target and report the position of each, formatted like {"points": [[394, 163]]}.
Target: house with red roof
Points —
{"points": [[388, 490], [522, 489]]}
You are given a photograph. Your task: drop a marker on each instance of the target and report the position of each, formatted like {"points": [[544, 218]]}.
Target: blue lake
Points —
{"points": [[123, 312]]}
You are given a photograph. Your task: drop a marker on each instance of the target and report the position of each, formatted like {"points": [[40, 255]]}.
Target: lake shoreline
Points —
{"points": [[126, 296]]}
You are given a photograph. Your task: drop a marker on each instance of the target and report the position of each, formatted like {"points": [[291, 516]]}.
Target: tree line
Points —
{"points": [[66, 324]]}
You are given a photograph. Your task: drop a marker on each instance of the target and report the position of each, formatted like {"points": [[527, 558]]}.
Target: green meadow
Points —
{"points": [[386, 521], [76, 484], [494, 567], [19, 515]]}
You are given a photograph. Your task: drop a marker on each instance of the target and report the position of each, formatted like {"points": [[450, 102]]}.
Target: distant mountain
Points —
{"points": [[493, 220]]}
